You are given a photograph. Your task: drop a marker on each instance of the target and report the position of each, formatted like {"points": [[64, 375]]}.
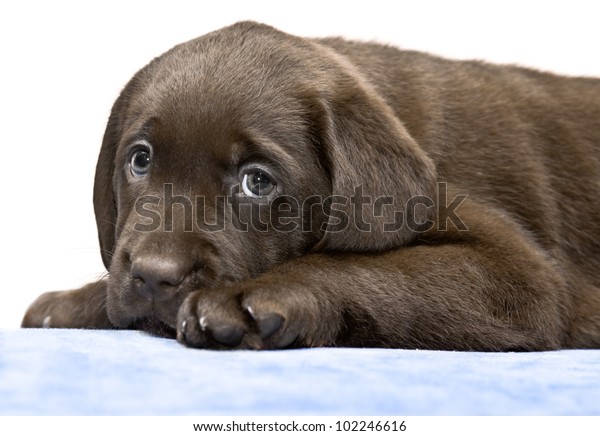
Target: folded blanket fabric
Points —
{"points": [[84, 372]]}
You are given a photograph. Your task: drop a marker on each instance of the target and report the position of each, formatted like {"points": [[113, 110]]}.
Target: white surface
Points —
{"points": [[87, 372], [63, 64]]}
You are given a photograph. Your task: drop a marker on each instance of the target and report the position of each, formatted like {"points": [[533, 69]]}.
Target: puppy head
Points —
{"points": [[237, 151]]}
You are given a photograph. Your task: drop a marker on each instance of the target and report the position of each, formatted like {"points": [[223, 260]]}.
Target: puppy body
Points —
{"points": [[492, 170]]}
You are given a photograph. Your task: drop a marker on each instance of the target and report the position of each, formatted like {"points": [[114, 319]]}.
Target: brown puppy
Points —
{"points": [[260, 190]]}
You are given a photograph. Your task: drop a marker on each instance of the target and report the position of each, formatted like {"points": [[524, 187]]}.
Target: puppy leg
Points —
{"points": [[486, 289], [79, 308]]}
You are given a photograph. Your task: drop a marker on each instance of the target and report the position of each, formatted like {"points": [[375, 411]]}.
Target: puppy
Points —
{"points": [[259, 190]]}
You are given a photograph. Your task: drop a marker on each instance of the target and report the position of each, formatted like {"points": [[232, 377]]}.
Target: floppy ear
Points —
{"points": [[104, 197], [372, 155]]}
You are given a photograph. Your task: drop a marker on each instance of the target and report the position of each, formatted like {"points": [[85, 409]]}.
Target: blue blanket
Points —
{"points": [[79, 372]]}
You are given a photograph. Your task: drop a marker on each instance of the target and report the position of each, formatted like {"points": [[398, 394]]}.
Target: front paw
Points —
{"points": [[50, 309], [259, 316], [80, 308], [39, 313]]}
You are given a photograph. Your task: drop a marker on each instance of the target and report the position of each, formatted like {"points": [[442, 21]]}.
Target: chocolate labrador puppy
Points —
{"points": [[259, 190]]}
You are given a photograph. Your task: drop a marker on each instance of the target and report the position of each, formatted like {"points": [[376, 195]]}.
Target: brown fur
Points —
{"points": [[519, 271]]}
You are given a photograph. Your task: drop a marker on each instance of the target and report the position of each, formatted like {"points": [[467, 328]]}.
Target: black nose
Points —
{"points": [[157, 278]]}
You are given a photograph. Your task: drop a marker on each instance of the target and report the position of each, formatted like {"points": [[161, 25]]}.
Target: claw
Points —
{"points": [[202, 322]]}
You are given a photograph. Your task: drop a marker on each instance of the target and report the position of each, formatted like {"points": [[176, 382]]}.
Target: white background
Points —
{"points": [[62, 65]]}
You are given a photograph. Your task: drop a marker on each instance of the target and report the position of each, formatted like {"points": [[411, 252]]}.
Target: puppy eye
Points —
{"points": [[257, 183], [140, 162]]}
